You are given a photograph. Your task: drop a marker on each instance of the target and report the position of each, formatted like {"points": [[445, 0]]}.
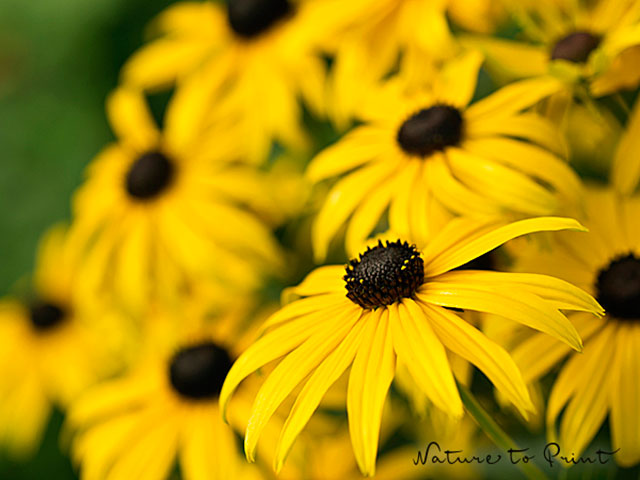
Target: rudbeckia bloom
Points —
{"points": [[387, 305], [594, 42], [420, 145], [164, 411], [256, 54], [159, 211], [603, 380], [49, 353]]}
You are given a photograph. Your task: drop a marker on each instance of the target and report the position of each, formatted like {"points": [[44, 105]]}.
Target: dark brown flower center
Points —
{"points": [[149, 176], [384, 274], [45, 315], [431, 129], [618, 288], [575, 47], [249, 18], [198, 372]]}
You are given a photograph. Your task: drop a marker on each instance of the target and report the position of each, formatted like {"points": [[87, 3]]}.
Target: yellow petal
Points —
{"points": [[466, 341], [418, 347], [626, 164], [457, 81], [131, 119], [309, 398], [290, 372], [505, 300], [625, 397], [371, 375], [464, 240]]}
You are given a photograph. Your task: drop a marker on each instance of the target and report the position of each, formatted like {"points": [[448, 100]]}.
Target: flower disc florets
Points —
{"points": [[384, 274]]}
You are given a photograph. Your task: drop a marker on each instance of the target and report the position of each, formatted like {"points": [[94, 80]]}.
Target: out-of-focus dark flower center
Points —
{"points": [[575, 47], [618, 288], [45, 315], [198, 372], [431, 129], [149, 176], [249, 18], [384, 274]]}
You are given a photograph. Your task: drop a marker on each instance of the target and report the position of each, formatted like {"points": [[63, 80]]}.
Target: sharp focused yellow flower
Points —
{"points": [[160, 211], [577, 41], [603, 380], [420, 148], [388, 305], [257, 56], [48, 354]]}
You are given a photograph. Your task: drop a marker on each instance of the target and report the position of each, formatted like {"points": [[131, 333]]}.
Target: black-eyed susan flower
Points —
{"points": [[256, 55], [603, 380], [579, 42], [388, 305], [49, 352], [161, 210], [164, 411], [420, 147]]}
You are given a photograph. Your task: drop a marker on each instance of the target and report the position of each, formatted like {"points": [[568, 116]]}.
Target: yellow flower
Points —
{"points": [[482, 16], [422, 147], [256, 56], [160, 211], [603, 380], [597, 42], [390, 304], [49, 353]]}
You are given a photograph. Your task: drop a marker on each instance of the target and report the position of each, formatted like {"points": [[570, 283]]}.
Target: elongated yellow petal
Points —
{"points": [[309, 398], [578, 371], [326, 279], [589, 406], [401, 201], [512, 189], [536, 355], [314, 305], [131, 120], [456, 83], [466, 341], [626, 164], [562, 295], [289, 373], [509, 302], [342, 200], [529, 126], [481, 240], [532, 160], [424, 355], [625, 397], [514, 98], [369, 381], [356, 148], [272, 345]]}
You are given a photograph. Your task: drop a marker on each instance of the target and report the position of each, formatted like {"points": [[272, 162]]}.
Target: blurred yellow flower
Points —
{"points": [[603, 380], [625, 173], [49, 353], [389, 304], [160, 211], [256, 56], [420, 147], [597, 42]]}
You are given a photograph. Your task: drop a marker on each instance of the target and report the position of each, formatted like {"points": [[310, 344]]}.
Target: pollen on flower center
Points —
{"points": [[198, 372], [249, 18], [384, 274], [45, 315], [149, 175], [618, 287], [431, 129], [575, 47]]}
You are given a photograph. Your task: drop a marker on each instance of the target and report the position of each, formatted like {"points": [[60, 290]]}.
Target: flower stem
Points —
{"points": [[494, 432]]}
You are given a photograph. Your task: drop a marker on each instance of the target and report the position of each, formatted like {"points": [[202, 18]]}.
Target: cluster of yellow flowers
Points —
{"points": [[414, 143]]}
